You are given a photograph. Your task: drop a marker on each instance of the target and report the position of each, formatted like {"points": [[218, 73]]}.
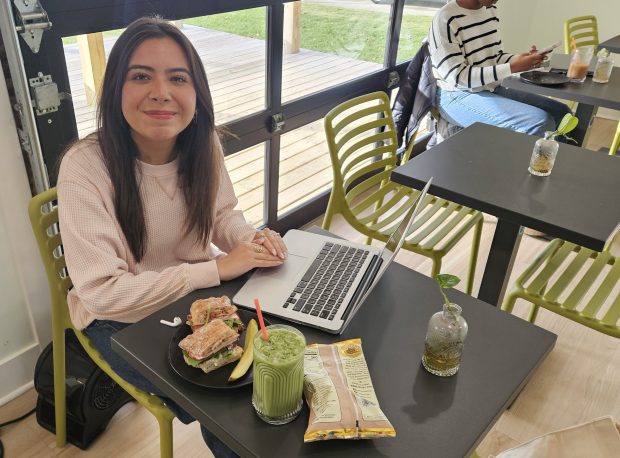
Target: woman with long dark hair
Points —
{"points": [[145, 202]]}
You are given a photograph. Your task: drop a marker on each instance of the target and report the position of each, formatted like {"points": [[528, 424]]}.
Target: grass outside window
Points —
{"points": [[356, 34]]}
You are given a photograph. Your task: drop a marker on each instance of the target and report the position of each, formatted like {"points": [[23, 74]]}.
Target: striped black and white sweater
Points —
{"points": [[466, 49]]}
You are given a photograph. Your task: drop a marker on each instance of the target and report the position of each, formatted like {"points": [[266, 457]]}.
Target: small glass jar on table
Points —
{"points": [[445, 337], [604, 66], [543, 155]]}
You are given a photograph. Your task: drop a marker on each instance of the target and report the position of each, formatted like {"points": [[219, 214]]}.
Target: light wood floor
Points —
{"points": [[579, 380]]}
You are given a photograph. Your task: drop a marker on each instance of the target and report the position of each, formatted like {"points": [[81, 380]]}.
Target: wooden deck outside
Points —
{"points": [[235, 67]]}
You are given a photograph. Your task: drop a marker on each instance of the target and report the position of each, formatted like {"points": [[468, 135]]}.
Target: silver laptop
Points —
{"points": [[325, 280]]}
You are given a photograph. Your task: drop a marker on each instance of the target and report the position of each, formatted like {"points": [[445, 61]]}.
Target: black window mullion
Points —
{"points": [[273, 99], [396, 18]]}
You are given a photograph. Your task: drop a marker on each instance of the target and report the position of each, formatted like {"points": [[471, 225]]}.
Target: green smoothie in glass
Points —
{"points": [[278, 374]]}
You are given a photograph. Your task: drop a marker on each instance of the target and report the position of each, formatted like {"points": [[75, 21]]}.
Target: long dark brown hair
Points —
{"points": [[199, 160]]}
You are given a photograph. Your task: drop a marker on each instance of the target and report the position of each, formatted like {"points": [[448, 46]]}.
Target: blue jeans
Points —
{"points": [[520, 111], [99, 332]]}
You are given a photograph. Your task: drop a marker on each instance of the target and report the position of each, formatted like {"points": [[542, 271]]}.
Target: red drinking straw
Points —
{"points": [[260, 319]]}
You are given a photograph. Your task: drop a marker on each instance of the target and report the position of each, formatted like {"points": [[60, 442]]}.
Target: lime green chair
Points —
{"points": [[362, 144], [43, 212], [574, 282], [561, 279], [583, 29]]}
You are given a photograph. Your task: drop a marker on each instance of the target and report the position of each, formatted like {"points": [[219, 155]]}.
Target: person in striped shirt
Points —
{"points": [[469, 63]]}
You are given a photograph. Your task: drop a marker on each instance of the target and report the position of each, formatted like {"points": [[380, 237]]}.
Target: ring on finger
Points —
{"points": [[258, 248]]}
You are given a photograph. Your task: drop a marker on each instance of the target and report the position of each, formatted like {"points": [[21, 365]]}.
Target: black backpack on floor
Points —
{"points": [[92, 396]]}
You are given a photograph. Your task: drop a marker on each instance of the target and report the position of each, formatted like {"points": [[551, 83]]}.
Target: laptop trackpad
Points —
{"points": [[284, 274], [272, 285]]}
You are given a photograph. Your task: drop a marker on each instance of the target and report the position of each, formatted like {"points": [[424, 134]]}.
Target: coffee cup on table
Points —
{"points": [[579, 64]]}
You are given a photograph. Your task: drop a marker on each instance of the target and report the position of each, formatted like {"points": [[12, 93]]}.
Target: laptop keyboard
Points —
{"points": [[327, 281]]}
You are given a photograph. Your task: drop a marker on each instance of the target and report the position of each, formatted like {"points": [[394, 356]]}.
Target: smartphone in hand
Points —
{"points": [[550, 48]]}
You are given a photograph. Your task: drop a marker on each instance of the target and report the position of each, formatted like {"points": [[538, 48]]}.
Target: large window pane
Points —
{"points": [[339, 40], [247, 173], [232, 49], [305, 167], [414, 28]]}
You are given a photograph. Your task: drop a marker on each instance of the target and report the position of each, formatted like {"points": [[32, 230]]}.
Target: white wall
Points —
{"points": [[541, 22], [24, 304]]}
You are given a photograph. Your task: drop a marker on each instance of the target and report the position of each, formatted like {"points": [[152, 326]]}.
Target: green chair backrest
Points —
{"points": [[583, 29], [43, 212], [361, 137]]}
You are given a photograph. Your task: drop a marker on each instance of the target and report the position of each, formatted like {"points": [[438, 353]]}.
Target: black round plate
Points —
{"points": [[214, 379], [544, 78]]}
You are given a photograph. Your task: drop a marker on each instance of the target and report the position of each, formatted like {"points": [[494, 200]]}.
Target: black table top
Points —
{"points": [[433, 416], [485, 167], [596, 94], [612, 45]]}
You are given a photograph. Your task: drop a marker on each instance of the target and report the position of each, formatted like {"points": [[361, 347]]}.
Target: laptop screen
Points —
{"points": [[392, 246]]}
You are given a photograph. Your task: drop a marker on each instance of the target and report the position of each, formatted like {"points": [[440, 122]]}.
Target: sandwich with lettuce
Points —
{"points": [[211, 346], [204, 310]]}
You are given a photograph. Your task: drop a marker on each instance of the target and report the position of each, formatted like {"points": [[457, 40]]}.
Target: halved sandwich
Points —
{"points": [[211, 346], [204, 310]]}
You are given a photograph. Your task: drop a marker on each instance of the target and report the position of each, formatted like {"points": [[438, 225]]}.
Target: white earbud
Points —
{"points": [[177, 321]]}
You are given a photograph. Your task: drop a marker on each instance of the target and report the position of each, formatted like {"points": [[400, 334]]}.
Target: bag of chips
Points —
{"points": [[339, 392]]}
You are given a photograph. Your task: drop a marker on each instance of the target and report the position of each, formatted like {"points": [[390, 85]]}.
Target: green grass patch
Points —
{"points": [[357, 34]]}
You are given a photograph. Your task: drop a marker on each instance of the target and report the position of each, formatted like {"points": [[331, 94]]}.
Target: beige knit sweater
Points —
{"points": [[108, 282]]}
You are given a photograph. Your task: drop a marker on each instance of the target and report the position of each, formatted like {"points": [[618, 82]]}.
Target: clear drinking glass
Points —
{"points": [[579, 62], [278, 374], [543, 155], [604, 66]]}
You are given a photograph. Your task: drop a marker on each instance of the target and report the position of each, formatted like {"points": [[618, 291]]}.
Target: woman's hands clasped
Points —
{"points": [[272, 241], [267, 249]]}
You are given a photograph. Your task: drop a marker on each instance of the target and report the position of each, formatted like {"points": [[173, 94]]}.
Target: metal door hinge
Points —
{"points": [[277, 122], [31, 21]]}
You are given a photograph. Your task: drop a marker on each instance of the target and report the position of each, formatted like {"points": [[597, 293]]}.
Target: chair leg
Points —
{"points": [[329, 214], [473, 257], [165, 437], [531, 317], [615, 144], [60, 400], [509, 303], [436, 267], [377, 206]]}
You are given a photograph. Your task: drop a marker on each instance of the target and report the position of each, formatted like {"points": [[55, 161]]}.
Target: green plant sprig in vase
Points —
{"points": [[446, 281], [567, 124]]}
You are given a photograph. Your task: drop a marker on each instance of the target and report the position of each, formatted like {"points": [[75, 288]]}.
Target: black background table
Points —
{"points": [[612, 45], [485, 167], [588, 94], [433, 416]]}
